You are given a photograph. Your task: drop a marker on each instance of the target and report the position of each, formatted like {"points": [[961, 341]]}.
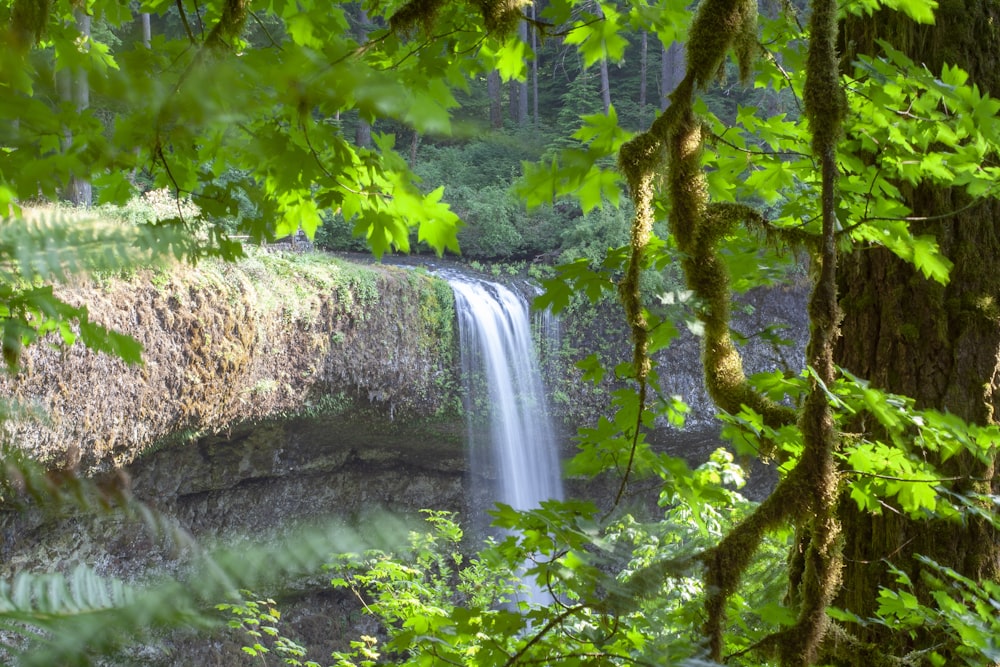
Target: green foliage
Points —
{"points": [[74, 615], [961, 608], [43, 246], [900, 469], [438, 605], [251, 124], [258, 620]]}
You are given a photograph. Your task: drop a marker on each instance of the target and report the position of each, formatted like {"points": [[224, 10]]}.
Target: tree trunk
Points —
{"points": [[522, 86], [605, 78], [605, 87], [643, 53], [493, 90], [363, 131], [513, 95], [937, 344], [147, 30], [74, 87], [414, 144], [534, 68], [672, 68]]}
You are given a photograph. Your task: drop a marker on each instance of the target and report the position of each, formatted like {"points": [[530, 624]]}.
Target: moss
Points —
{"points": [[698, 227], [230, 25], [227, 344], [501, 16], [986, 306], [825, 103], [414, 14], [29, 19], [721, 25], [909, 332]]}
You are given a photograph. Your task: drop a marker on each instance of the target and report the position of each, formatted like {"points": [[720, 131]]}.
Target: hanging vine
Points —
{"points": [[673, 145]]}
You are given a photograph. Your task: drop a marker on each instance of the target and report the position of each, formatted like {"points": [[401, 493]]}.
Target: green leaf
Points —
{"points": [[929, 260], [598, 38], [440, 225], [593, 369], [603, 132], [511, 59], [101, 339]]}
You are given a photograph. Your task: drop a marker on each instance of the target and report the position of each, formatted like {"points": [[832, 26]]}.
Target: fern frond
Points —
{"points": [[51, 244], [48, 245], [69, 619], [57, 619]]}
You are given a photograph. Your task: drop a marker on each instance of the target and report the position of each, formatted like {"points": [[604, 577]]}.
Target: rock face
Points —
{"points": [[276, 392], [231, 344], [761, 317]]}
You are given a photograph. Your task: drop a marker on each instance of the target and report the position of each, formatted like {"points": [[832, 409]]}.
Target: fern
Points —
{"points": [[106, 615], [73, 617], [56, 619], [52, 244], [49, 245]]}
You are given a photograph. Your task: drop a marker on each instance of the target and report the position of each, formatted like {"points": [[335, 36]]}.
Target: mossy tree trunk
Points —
{"points": [[937, 344]]}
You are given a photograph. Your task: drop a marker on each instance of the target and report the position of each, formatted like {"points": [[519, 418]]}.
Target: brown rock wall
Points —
{"points": [[231, 344]]}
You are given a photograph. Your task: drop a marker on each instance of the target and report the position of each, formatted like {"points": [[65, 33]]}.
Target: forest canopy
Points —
{"points": [[862, 136]]}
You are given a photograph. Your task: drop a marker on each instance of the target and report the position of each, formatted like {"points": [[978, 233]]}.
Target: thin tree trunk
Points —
{"points": [[363, 131], [414, 144], [672, 66], [74, 87], [493, 90], [147, 41], [519, 89], [534, 68], [605, 86], [363, 134], [643, 53], [605, 78], [935, 343], [522, 88], [513, 93]]}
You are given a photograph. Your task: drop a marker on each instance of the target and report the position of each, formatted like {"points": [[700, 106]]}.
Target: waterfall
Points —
{"points": [[497, 351]]}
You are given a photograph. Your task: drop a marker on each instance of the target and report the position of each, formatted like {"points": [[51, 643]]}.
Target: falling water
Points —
{"points": [[495, 334]]}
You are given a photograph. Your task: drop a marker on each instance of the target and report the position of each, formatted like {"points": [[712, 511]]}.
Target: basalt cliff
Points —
{"points": [[280, 390]]}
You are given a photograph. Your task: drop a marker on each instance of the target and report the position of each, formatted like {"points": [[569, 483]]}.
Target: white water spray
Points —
{"points": [[495, 334]]}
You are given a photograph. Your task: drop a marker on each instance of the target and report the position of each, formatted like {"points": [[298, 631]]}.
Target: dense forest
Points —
{"points": [[645, 152]]}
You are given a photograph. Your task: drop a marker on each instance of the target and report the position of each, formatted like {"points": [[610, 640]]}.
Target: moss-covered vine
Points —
{"points": [[806, 497]]}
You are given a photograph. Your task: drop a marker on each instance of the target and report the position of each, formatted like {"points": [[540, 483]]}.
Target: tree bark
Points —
{"points": [[643, 53], [534, 68], [605, 78], [363, 131], [605, 86], [513, 100], [522, 86], [74, 87], [493, 90], [937, 344], [414, 144], [672, 68]]}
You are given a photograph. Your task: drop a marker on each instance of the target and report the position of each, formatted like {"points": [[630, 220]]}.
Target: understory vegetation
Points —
{"points": [[853, 147]]}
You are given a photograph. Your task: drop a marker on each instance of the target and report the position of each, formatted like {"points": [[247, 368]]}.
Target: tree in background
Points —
{"points": [[74, 90]]}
